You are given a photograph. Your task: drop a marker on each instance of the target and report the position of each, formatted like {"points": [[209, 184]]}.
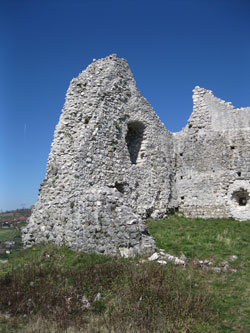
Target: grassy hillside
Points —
{"points": [[7, 234], [51, 289], [216, 240], [10, 234], [15, 214]]}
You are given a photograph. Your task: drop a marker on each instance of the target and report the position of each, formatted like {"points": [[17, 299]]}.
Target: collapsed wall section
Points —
{"points": [[213, 159], [110, 166]]}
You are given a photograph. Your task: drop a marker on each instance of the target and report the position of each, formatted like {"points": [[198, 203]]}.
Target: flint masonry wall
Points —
{"points": [[213, 159], [110, 165], [113, 163]]}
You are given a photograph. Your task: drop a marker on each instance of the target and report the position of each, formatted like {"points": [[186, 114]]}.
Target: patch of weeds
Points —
{"points": [[156, 298], [72, 204], [99, 307], [110, 155], [67, 134], [216, 240], [117, 125], [50, 283]]}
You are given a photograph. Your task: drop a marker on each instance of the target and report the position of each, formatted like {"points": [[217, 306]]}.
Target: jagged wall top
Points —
{"points": [[220, 115], [113, 163], [110, 165]]}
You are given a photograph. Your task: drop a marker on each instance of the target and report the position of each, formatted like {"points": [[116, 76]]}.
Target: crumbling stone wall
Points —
{"points": [[213, 159], [112, 164]]}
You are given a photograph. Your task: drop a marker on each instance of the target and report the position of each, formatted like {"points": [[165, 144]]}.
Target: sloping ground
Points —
{"points": [[222, 242], [57, 290], [10, 239], [96, 293], [11, 223]]}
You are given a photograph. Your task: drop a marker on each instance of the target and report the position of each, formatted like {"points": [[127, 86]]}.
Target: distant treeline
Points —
{"points": [[11, 214]]}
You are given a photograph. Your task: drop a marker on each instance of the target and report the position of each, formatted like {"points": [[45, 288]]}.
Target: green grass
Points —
{"points": [[41, 288], [203, 238], [217, 240], [47, 284], [11, 234], [22, 224], [8, 234]]}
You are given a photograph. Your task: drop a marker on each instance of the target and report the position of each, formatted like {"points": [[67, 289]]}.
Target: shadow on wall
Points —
{"points": [[241, 197], [134, 140]]}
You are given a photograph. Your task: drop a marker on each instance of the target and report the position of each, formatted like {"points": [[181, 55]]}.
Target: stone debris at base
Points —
{"points": [[163, 258]]}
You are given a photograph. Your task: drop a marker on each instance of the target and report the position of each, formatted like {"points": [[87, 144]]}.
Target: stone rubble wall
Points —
{"points": [[213, 154], [112, 164]]}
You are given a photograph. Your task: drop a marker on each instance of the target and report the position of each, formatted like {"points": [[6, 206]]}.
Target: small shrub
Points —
{"points": [[68, 135]]}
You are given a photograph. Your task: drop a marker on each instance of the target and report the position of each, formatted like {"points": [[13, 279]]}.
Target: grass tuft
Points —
{"points": [[60, 286], [54, 289], [216, 240]]}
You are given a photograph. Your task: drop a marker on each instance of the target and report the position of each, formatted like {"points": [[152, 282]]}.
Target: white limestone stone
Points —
{"points": [[113, 164], [154, 257]]}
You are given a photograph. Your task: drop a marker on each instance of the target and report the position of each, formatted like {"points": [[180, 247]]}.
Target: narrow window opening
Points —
{"points": [[181, 154], [134, 140], [182, 198], [232, 147], [239, 173]]}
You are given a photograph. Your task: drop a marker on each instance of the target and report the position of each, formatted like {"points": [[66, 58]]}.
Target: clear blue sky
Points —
{"points": [[171, 46]]}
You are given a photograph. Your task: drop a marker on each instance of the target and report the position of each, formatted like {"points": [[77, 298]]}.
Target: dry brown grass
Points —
{"points": [[46, 293]]}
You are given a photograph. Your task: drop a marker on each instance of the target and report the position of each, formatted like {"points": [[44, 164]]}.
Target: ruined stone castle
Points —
{"points": [[113, 163]]}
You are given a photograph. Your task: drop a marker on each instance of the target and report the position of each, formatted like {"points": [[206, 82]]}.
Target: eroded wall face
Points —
{"points": [[213, 160], [110, 166]]}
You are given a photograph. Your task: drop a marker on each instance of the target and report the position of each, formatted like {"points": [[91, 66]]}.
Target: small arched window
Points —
{"points": [[134, 139], [241, 197]]}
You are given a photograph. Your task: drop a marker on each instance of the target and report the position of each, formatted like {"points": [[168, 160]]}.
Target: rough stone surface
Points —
{"points": [[112, 164], [212, 159], [154, 256], [233, 258], [163, 258]]}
